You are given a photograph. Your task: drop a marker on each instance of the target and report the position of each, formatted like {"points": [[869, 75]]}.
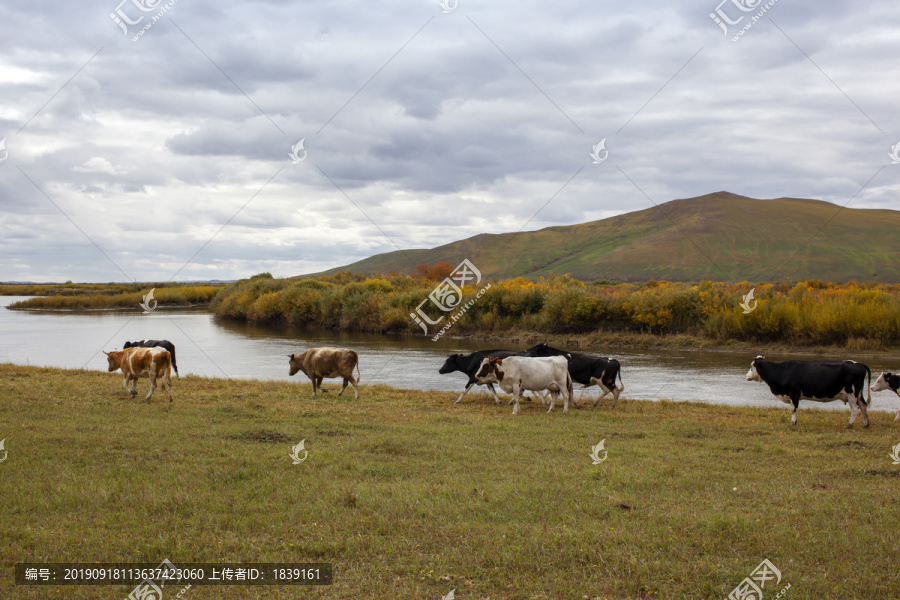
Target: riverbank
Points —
{"points": [[409, 495], [118, 296], [600, 342]]}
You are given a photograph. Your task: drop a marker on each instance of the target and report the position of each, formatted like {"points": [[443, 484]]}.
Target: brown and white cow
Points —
{"points": [[319, 363], [142, 362]]}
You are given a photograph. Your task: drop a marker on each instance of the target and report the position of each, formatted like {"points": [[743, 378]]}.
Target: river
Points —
{"points": [[218, 348]]}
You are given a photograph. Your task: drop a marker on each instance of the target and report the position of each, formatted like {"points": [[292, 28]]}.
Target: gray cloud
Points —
{"points": [[472, 127]]}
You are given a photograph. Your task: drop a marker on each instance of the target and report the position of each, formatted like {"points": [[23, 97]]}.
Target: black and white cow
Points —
{"points": [[887, 381], [588, 370], [470, 363], [821, 381]]}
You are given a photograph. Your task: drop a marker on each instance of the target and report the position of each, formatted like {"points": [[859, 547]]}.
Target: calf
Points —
{"points": [[142, 362], [821, 381], [589, 370], [319, 363], [887, 381], [517, 373], [157, 344]]}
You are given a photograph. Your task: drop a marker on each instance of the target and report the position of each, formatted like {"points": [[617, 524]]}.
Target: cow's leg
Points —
{"points": [[319, 385], [603, 390], [152, 383], [864, 407], [313, 379], [493, 393], [168, 382], [553, 396], [516, 391], [469, 386], [567, 397], [355, 382], [127, 389], [897, 418], [615, 394], [343, 387], [850, 398], [795, 404]]}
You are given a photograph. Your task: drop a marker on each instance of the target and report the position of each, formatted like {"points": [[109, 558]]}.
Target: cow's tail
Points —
{"points": [[175, 364], [570, 387], [868, 387], [358, 374], [621, 388]]}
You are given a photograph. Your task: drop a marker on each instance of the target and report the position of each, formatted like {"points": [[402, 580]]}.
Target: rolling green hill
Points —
{"points": [[721, 236]]}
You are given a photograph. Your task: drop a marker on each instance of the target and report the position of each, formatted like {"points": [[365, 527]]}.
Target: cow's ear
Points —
{"points": [[289, 355]]}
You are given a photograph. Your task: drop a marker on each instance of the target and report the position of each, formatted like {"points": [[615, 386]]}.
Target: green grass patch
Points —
{"points": [[410, 496]]}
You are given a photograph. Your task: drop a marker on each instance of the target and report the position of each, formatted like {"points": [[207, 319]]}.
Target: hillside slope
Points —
{"points": [[721, 236]]}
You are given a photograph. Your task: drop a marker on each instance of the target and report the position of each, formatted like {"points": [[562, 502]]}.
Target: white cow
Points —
{"points": [[888, 381], [517, 373]]}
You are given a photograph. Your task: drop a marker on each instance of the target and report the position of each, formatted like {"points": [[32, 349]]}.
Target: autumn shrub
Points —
{"points": [[809, 312]]}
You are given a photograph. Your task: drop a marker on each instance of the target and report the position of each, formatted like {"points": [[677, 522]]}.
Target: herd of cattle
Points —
{"points": [[540, 369]]}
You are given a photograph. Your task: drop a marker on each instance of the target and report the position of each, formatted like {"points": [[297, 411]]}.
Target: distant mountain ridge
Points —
{"points": [[720, 236]]}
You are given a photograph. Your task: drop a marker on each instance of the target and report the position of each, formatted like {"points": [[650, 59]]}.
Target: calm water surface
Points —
{"points": [[218, 348]]}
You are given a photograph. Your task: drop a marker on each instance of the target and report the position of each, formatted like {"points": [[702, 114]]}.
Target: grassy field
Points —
{"points": [[410, 496]]}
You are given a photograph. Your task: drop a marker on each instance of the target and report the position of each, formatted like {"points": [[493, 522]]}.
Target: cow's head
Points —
{"points": [[450, 365], [887, 381], [753, 373], [132, 344], [490, 367], [296, 363], [114, 359], [539, 349]]}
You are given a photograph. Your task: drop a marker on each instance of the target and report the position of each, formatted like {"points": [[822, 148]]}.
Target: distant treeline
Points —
{"points": [[805, 313], [82, 296]]}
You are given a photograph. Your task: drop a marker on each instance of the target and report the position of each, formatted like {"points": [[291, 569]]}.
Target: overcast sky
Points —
{"points": [[168, 154]]}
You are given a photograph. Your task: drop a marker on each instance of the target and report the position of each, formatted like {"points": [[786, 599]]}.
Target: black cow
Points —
{"points": [[156, 344], [588, 370], [469, 364], [887, 381], [821, 381]]}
